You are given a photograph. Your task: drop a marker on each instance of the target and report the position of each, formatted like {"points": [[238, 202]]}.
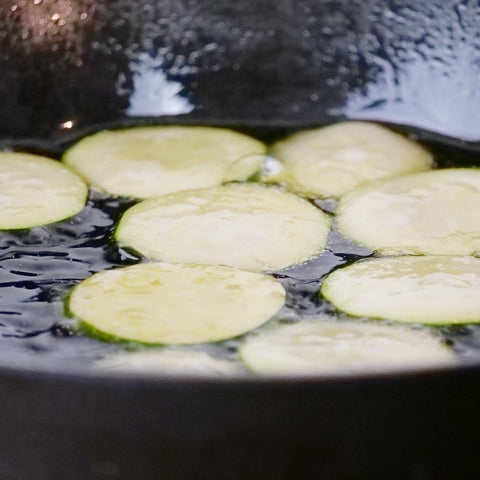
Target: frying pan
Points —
{"points": [[71, 67]]}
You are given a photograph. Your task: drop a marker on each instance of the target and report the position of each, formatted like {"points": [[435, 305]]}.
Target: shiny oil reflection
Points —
{"points": [[427, 78], [153, 93]]}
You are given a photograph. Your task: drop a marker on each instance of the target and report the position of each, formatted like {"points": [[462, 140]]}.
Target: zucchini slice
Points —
{"points": [[168, 362], [433, 289], [331, 347], [159, 303], [432, 212], [329, 161], [248, 226], [37, 191], [143, 162]]}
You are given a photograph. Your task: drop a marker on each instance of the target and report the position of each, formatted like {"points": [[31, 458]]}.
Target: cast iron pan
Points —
{"points": [[72, 67]]}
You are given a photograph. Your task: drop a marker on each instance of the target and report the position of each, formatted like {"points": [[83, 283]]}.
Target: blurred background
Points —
{"points": [[70, 64]]}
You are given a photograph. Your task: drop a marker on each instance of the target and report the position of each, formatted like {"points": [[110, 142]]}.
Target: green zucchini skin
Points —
{"points": [[248, 226], [145, 162], [426, 213], [37, 191], [323, 346], [159, 303], [432, 289], [329, 161]]}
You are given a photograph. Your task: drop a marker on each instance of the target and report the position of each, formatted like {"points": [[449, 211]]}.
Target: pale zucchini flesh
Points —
{"points": [[168, 362], [37, 191], [434, 290], [144, 162], [323, 346], [433, 212], [329, 161], [160, 303], [247, 226]]}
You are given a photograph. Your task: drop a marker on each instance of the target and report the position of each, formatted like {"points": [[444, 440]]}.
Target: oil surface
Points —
{"points": [[39, 266]]}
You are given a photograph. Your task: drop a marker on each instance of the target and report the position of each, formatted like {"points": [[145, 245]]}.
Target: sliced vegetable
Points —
{"points": [[432, 212], [37, 191], [168, 362], [247, 226], [329, 161], [159, 303], [431, 289], [331, 347], [144, 162]]}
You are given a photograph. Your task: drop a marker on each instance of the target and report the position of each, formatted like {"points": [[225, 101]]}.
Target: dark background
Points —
{"points": [[302, 62]]}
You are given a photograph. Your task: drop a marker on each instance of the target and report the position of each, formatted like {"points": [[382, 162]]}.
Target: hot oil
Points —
{"points": [[39, 266]]}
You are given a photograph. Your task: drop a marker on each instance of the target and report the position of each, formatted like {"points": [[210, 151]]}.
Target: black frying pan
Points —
{"points": [[70, 67]]}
